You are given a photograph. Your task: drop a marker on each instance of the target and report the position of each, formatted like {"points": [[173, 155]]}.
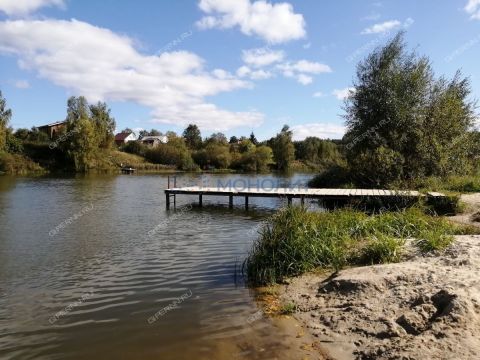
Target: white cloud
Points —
{"points": [[275, 23], [321, 130], [174, 84], [305, 66], [262, 57], [25, 7], [302, 70], [343, 93], [304, 79], [260, 75], [245, 71], [22, 84], [382, 27], [473, 8], [318, 94]]}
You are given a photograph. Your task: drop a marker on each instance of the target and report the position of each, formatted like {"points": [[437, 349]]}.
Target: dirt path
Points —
{"points": [[423, 308]]}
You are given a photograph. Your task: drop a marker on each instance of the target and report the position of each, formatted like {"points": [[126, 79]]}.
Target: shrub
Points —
{"points": [[16, 164], [135, 147], [334, 177]]}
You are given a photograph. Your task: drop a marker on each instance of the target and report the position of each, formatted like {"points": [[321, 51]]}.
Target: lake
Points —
{"points": [[95, 267]]}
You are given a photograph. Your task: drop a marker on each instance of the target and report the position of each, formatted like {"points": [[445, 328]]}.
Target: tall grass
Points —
{"points": [[295, 240]]}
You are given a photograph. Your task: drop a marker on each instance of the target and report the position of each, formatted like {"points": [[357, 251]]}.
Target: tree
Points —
{"points": [[253, 139], [402, 123], [263, 158], [104, 124], [90, 129], [317, 151], [154, 132], [81, 147], [142, 134], [5, 116], [192, 136], [175, 152], [217, 138], [233, 140], [283, 149]]}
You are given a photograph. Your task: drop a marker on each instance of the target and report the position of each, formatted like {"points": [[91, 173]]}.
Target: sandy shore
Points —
{"points": [[427, 307]]}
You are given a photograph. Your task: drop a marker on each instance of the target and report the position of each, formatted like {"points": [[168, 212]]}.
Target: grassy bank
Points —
{"points": [[16, 164], [295, 241]]}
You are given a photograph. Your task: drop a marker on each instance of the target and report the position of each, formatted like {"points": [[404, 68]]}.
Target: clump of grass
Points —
{"points": [[288, 308], [380, 249], [295, 241], [433, 240]]}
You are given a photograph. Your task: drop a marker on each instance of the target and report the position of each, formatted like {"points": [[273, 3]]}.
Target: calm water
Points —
{"points": [[94, 267]]}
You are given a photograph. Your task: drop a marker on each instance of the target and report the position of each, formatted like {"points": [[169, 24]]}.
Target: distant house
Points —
{"points": [[154, 140], [123, 138], [52, 130]]}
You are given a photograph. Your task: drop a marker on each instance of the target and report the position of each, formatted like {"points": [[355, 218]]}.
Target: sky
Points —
{"points": [[231, 66]]}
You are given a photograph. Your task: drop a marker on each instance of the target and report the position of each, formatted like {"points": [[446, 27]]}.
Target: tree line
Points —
{"points": [[87, 142], [190, 151]]}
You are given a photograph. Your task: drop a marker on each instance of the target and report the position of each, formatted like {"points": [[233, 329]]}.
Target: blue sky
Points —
{"points": [[234, 66]]}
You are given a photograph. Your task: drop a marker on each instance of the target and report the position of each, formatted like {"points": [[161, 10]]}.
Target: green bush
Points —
{"points": [[336, 176], [135, 147], [17, 164]]}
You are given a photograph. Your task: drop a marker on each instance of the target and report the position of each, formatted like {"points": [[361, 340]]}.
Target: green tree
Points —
{"points": [[253, 139], [233, 140], [283, 149], [192, 136], [317, 151], [175, 152], [402, 122], [217, 138], [263, 158], [89, 131], [81, 147], [5, 116], [104, 124]]}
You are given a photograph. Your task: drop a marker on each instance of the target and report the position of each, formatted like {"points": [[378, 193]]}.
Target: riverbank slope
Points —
{"points": [[427, 307]]}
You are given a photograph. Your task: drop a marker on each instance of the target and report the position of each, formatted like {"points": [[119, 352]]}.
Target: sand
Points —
{"points": [[427, 307]]}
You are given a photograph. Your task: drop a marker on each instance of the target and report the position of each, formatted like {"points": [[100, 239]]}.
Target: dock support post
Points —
{"points": [[175, 201], [289, 200], [167, 200], [246, 202], [230, 201], [200, 200], [302, 200]]}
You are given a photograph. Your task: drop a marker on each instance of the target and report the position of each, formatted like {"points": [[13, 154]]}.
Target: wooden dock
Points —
{"points": [[289, 194]]}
